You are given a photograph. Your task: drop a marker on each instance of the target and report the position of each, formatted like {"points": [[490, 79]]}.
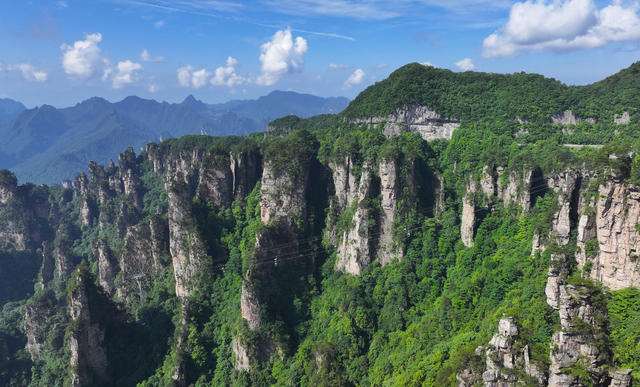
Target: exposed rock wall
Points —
{"points": [[354, 248], [415, 118], [107, 266], [613, 222], [467, 223], [88, 355], [187, 248], [580, 342], [388, 171]]}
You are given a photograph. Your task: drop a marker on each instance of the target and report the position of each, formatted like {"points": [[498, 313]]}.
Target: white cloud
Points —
{"points": [[465, 64], [427, 63], [226, 75], [127, 72], [282, 55], [159, 24], [28, 72], [153, 88], [83, 59], [338, 66], [145, 56], [189, 77], [562, 25], [355, 78]]}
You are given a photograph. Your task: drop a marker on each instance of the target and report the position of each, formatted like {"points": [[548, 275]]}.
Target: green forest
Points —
{"points": [[415, 321]]}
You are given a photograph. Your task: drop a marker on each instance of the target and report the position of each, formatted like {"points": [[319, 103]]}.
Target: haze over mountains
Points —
{"points": [[48, 145]]}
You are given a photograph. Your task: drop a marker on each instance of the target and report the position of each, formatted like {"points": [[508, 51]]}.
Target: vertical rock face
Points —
{"points": [[250, 308], [468, 220], [216, 180], [33, 332], [487, 184], [282, 198], [617, 215], [62, 256], [503, 358], [107, 267], [389, 191], [246, 170], [516, 189], [48, 265], [187, 249], [354, 248], [144, 246], [566, 187], [88, 356], [576, 346]]}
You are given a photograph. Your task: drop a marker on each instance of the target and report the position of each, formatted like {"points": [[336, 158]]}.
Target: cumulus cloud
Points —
{"points": [[465, 64], [145, 56], [83, 59], [126, 73], [226, 75], [562, 25], [153, 87], [282, 55], [190, 77], [28, 72], [427, 63], [355, 78]]}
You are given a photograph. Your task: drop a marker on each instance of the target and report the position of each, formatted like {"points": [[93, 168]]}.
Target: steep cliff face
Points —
{"points": [[355, 246], [468, 221], [145, 245], [187, 248], [388, 171], [415, 118], [609, 236], [88, 355], [581, 342]]}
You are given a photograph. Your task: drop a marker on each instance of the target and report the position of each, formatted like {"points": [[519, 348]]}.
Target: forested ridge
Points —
{"points": [[326, 252]]}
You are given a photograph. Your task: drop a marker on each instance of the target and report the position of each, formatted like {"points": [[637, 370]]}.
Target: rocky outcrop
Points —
{"points": [[389, 192], [467, 223], [246, 170], [415, 118], [568, 118], [250, 308], [282, 197], [107, 266], [614, 224], [48, 265], [216, 180], [622, 119], [566, 186], [36, 336], [354, 247], [144, 247], [507, 361], [188, 252], [88, 355], [580, 344], [516, 189]]}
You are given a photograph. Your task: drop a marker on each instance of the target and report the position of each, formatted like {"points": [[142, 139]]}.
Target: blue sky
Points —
{"points": [[62, 52]]}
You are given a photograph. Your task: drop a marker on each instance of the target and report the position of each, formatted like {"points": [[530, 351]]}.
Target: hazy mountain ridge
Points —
{"points": [[48, 145]]}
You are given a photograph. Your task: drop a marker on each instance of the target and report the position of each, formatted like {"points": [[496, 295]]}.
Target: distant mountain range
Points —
{"points": [[48, 145]]}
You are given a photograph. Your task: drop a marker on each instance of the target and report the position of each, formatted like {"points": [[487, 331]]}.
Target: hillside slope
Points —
{"points": [[408, 247]]}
